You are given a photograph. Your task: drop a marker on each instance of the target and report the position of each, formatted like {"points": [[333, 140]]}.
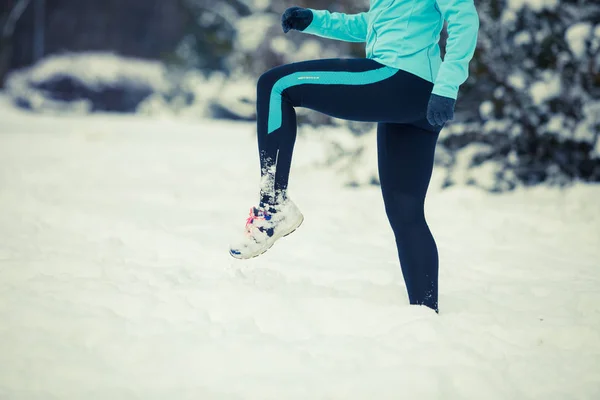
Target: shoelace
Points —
{"points": [[255, 214]]}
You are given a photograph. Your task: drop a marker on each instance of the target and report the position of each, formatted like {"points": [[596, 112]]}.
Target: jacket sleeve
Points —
{"points": [[463, 28], [339, 26]]}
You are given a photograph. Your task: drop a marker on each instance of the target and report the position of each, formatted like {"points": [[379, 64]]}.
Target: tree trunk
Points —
{"points": [[7, 29]]}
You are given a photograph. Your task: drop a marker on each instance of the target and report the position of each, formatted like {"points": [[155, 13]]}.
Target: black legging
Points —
{"points": [[361, 90]]}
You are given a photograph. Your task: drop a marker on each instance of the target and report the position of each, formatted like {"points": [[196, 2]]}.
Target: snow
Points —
{"points": [[94, 72], [171, 91], [116, 282], [252, 31], [546, 89], [517, 80], [556, 124], [259, 5], [237, 95], [97, 70], [313, 49], [486, 109], [535, 5], [576, 37], [522, 38], [280, 45], [585, 127]]}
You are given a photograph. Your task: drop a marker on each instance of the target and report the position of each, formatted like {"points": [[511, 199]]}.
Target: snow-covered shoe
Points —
{"points": [[264, 226]]}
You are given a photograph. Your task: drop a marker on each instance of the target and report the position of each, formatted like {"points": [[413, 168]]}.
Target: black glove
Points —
{"points": [[296, 18], [440, 109]]}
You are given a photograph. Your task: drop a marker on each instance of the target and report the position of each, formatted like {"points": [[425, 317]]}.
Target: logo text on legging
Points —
{"points": [[309, 77]]}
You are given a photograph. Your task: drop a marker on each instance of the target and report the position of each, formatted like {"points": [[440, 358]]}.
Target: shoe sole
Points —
{"points": [[263, 251]]}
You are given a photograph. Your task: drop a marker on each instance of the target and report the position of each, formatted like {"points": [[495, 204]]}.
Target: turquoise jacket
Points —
{"points": [[404, 34]]}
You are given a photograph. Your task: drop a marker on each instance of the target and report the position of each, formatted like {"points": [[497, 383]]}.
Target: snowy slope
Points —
{"points": [[115, 281]]}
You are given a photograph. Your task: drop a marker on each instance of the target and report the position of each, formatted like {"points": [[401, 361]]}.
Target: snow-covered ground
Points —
{"points": [[115, 281]]}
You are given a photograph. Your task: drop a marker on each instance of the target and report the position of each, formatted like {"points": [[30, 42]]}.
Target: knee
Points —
{"points": [[268, 79], [403, 210], [264, 81]]}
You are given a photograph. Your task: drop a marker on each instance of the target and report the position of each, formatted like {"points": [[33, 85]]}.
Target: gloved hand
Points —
{"points": [[296, 18], [440, 109]]}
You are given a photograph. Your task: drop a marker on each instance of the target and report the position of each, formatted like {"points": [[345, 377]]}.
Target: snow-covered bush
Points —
{"points": [[537, 75], [86, 82], [97, 81], [243, 39]]}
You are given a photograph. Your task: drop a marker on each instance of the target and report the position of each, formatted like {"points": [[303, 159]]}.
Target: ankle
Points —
{"points": [[280, 197], [266, 200], [272, 201]]}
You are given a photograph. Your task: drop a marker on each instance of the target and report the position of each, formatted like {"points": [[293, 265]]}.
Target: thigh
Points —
{"points": [[357, 89], [405, 156]]}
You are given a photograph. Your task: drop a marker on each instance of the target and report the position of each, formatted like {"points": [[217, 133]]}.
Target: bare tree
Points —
{"points": [[7, 29]]}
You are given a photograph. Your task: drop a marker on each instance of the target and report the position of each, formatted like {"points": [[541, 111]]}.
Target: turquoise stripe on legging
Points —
{"points": [[320, 78]]}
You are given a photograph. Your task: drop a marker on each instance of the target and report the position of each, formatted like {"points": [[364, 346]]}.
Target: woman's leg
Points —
{"points": [[406, 155], [354, 89], [359, 90]]}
